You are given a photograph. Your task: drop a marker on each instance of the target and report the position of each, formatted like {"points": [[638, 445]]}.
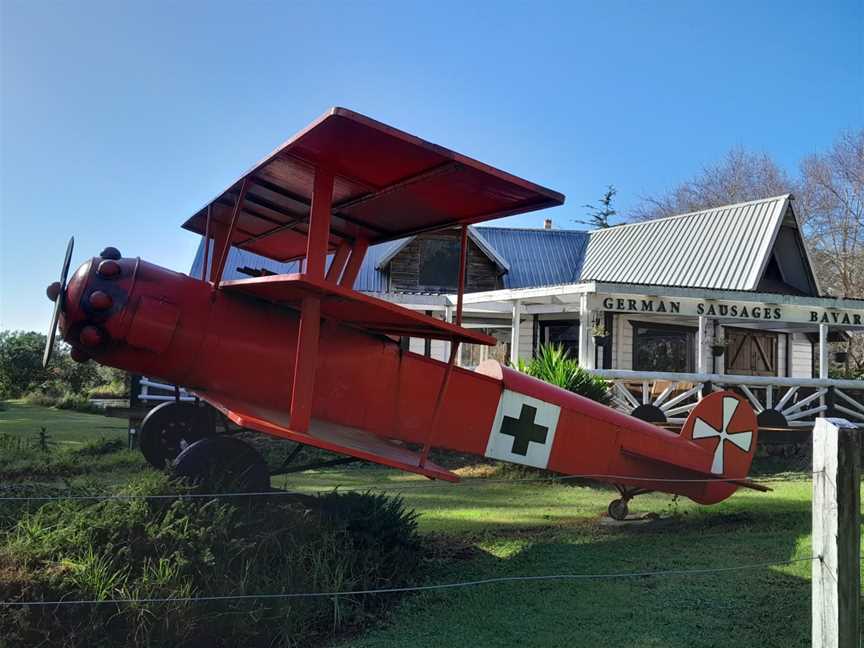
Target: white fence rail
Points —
{"points": [[152, 391], [665, 397]]}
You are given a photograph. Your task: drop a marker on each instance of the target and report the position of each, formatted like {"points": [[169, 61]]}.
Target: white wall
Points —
{"points": [[802, 356], [622, 342], [526, 337]]}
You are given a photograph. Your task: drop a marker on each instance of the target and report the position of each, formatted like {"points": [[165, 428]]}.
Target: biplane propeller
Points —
{"points": [[307, 358], [57, 293]]}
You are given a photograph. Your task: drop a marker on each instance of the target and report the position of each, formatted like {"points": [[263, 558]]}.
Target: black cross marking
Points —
{"points": [[524, 430]]}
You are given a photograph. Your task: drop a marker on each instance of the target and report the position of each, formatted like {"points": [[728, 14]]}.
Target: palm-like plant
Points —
{"points": [[553, 365]]}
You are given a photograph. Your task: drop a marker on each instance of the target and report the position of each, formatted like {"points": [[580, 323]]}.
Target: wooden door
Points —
{"points": [[750, 352]]}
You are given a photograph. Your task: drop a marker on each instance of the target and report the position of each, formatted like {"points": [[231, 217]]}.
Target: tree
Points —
{"points": [[21, 362], [21, 369], [831, 201], [738, 177], [599, 215]]}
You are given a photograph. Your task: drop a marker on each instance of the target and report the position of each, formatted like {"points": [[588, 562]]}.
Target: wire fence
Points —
{"points": [[418, 588], [394, 488]]}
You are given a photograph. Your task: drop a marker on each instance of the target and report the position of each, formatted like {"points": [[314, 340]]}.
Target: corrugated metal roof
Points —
{"points": [[724, 248], [538, 257]]}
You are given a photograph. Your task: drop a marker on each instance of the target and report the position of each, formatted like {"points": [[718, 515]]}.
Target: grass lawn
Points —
{"points": [[65, 427], [73, 459], [517, 529], [487, 528]]}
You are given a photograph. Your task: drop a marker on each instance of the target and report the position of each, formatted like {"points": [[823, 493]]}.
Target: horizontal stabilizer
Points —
{"points": [[656, 458]]}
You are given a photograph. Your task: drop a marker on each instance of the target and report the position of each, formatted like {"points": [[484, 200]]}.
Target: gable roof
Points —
{"points": [[726, 248], [395, 247]]}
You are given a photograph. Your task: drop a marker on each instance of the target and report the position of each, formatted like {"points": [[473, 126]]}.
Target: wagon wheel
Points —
{"points": [[170, 428], [223, 464], [618, 509]]}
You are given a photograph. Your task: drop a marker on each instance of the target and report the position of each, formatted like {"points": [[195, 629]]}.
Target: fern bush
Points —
{"points": [[553, 365]]}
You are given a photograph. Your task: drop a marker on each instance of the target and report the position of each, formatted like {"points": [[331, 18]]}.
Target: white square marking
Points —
{"points": [[523, 430]]}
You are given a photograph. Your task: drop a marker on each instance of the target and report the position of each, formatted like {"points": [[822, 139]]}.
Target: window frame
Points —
{"points": [[690, 331], [543, 328], [438, 287]]}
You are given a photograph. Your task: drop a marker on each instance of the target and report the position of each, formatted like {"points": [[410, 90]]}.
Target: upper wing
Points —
{"points": [[388, 185]]}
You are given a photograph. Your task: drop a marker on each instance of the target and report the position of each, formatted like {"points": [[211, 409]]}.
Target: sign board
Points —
{"points": [[723, 309]]}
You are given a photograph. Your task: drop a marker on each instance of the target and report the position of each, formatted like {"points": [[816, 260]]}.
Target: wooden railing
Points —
{"points": [[779, 402]]}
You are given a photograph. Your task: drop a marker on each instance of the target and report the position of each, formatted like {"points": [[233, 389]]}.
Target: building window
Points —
{"points": [[663, 347], [564, 333], [439, 263]]}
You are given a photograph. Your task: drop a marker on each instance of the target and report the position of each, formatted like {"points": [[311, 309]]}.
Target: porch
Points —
{"points": [[663, 348]]}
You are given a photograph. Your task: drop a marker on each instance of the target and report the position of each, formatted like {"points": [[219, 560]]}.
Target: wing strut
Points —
{"points": [[454, 349], [310, 309]]}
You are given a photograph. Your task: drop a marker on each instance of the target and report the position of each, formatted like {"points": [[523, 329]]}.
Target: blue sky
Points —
{"points": [[119, 119]]}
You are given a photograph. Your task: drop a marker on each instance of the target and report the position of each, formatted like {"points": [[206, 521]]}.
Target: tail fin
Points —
{"points": [[725, 424]]}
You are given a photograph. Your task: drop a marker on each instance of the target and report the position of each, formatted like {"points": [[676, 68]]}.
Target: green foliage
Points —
{"points": [[65, 401], [21, 370], [21, 362], [146, 548], [598, 215], [846, 373], [553, 365]]}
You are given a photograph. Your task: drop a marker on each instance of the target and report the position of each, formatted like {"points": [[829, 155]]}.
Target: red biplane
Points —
{"points": [[305, 357]]}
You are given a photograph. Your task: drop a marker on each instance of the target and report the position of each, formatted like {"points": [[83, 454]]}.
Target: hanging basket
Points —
{"points": [[718, 350], [841, 357]]}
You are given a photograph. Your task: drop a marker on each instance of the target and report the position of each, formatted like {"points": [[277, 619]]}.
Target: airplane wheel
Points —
{"points": [[223, 464], [170, 428], [618, 509]]}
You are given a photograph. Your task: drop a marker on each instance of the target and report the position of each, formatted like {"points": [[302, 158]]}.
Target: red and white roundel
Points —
{"points": [[725, 424]]}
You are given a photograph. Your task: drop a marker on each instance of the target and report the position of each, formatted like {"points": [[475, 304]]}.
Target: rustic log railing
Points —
{"points": [[663, 397]]}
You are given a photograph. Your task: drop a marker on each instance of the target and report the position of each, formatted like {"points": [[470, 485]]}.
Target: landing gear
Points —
{"points": [[223, 463], [171, 427], [618, 509]]}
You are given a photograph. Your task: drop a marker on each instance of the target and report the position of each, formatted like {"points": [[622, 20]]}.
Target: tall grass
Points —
{"points": [[182, 547]]}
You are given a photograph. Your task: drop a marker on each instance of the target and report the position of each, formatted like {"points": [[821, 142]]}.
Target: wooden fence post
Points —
{"points": [[836, 534]]}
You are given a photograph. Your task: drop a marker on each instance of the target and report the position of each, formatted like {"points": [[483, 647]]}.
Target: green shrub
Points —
{"points": [[100, 447], [553, 365], [114, 389], [41, 399], [77, 403], [147, 548], [64, 400]]}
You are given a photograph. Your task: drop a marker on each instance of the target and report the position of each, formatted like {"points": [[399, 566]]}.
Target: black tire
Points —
{"points": [[618, 510], [170, 428], [223, 464]]}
